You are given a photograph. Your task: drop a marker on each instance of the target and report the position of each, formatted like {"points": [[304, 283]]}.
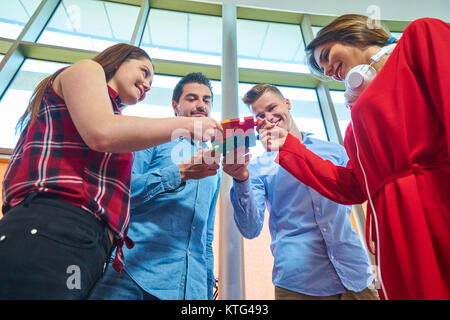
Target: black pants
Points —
{"points": [[50, 249]]}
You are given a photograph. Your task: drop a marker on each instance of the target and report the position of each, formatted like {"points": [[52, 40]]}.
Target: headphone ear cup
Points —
{"points": [[355, 79], [358, 78]]}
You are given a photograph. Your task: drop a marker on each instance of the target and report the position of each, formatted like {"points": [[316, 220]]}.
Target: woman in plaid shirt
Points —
{"points": [[66, 189]]}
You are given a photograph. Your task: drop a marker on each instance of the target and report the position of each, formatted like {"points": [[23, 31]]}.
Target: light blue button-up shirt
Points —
{"points": [[172, 224], [316, 250]]}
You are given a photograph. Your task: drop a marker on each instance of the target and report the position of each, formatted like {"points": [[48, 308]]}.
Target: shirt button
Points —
{"points": [[3, 237], [193, 227], [33, 231], [324, 229], [332, 257], [317, 209]]}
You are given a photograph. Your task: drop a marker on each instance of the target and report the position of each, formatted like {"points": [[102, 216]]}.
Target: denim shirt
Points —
{"points": [[172, 225], [316, 250]]}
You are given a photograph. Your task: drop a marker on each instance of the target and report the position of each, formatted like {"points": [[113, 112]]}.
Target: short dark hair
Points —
{"points": [[196, 77]]}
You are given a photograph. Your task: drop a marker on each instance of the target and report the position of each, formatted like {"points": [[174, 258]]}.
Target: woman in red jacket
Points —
{"points": [[398, 143]]}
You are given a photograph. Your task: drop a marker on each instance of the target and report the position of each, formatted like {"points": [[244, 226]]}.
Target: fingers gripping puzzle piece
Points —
{"points": [[236, 133]]}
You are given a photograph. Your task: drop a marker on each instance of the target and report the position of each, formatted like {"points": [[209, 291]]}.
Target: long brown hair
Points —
{"points": [[352, 29], [110, 59]]}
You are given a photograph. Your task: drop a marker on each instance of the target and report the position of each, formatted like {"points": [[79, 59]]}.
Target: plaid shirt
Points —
{"points": [[52, 158]]}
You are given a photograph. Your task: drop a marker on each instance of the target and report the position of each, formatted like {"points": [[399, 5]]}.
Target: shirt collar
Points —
{"points": [[115, 97]]}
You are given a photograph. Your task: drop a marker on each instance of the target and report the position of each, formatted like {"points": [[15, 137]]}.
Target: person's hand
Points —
{"points": [[235, 163], [203, 163], [271, 136], [205, 128]]}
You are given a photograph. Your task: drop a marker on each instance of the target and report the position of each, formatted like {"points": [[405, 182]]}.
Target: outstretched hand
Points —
{"points": [[205, 128]]}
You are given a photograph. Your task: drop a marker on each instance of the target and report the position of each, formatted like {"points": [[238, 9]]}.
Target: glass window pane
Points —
{"points": [[158, 102], [270, 46], [306, 110], [89, 24], [315, 30], [16, 98], [342, 112], [183, 36], [14, 15]]}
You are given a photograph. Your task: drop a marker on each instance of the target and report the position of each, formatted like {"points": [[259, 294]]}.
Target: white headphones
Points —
{"points": [[359, 77]]}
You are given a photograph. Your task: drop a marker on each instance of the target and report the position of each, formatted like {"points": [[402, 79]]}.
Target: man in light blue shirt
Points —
{"points": [[317, 253], [173, 202]]}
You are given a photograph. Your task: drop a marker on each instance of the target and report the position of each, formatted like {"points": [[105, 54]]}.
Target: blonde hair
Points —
{"points": [[351, 29]]}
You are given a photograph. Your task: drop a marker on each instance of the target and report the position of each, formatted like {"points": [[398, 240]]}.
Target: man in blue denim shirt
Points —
{"points": [[317, 253], [174, 192]]}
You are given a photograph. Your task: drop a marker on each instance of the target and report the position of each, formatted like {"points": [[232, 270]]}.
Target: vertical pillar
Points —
{"points": [[231, 261], [140, 23], [329, 113]]}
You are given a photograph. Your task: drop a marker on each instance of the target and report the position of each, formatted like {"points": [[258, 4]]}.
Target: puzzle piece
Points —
{"points": [[231, 125]]}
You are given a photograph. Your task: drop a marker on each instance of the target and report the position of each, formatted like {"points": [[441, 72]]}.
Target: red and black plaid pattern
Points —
{"points": [[51, 157]]}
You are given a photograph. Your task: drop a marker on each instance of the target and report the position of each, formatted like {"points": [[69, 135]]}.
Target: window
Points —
{"points": [[181, 36], [16, 98], [315, 30], [14, 15], [177, 37], [305, 111], [158, 102], [397, 35], [270, 46], [91, 25]]}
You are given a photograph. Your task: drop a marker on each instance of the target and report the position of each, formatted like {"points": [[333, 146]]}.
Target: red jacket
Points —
{"points": [[400, 135]]}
